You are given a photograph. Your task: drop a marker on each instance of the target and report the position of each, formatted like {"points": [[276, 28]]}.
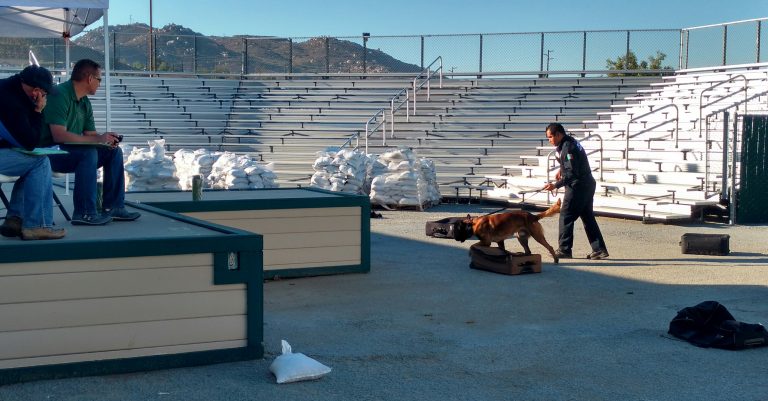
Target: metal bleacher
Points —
{"points": [[660, 155], [470, 128]]}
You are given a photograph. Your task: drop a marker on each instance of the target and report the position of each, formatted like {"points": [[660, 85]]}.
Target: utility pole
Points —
{"points": [[549, 57]]}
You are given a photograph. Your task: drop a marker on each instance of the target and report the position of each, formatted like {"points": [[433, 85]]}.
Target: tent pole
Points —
{"points": [[107, 85], [66, 56]]}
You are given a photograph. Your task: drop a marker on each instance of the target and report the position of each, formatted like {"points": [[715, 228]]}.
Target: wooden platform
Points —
{"points": [[306, 231], [163, 291]]}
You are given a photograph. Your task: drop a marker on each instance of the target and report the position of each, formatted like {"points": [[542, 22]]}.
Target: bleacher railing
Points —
{"points": [[373, 124], [654, 111]]}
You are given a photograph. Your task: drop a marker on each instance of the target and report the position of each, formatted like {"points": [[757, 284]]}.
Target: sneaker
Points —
{"points": [[121, 214], [29, 234], [563, 254], [90, 219], [597, 255], [11, 226]]}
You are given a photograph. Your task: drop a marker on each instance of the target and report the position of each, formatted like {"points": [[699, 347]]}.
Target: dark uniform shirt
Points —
{"points": [[574, 165], [17, 112]]}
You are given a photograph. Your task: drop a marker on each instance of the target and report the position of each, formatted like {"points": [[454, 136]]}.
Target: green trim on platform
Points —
{"points": [[248, 246], [127, 365]]}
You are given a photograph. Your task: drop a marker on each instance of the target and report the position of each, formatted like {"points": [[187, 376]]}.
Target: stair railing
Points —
{"points": [[394, 106], [676, 134], [712, 87], [600, 138], [426, 81]]}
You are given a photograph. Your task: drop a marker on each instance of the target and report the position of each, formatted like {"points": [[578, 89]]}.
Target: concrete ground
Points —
{"points": [[423, 326]]}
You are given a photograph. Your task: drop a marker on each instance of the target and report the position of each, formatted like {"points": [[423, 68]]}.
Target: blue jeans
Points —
{"points": [[84, 161], [32, 196]]}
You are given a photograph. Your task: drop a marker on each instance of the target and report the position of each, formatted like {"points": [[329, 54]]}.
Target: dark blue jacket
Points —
{"points": [[574, 165], [18, 115]]}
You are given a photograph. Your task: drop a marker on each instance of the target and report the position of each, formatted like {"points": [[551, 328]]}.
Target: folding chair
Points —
{"points": [[4, 179]]}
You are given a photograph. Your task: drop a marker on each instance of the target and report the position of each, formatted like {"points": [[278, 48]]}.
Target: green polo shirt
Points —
{"points": [[64, 109]]}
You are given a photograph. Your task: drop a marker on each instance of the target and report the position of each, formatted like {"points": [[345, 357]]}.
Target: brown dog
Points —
{"points": [[498, 227]]}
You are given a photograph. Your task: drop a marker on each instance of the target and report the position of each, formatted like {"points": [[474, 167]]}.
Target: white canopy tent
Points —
{"points": [[56, 19]]}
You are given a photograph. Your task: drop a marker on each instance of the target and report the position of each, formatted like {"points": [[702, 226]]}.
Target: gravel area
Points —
{"points": [[423, 326]]}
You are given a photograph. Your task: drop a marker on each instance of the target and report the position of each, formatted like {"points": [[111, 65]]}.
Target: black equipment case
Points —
{"points": [[443, 228], [495, 260], [705, 244]]}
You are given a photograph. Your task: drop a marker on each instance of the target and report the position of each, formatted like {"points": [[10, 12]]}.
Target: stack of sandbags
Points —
{"points": [[190, 163], [342, 171], [231, 171], [430, 176], [399, 180], [149, 169]]}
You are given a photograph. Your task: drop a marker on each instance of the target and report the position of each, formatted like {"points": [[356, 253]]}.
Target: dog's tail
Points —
{"points": [[554, 209]]}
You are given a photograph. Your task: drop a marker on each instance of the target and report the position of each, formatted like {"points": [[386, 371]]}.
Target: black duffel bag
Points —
{"points": [[709, 324], [443, 228]]}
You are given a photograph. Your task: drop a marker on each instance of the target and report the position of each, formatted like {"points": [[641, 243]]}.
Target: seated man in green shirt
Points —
{"points": [[69, 122]]}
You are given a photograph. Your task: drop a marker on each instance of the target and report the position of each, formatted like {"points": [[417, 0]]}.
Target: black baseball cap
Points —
{"points": [[38, 77]]}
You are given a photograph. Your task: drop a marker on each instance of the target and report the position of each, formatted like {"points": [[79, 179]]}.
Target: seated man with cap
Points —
{"points": [[22, 100]]}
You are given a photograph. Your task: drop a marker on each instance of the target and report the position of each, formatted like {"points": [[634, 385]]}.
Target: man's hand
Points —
{"points": [[109, 138], [558, 175], [549, 187], [40, 102]]}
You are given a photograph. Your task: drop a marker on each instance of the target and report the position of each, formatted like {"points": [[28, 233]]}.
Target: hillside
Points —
{"points": [[177, 46]]}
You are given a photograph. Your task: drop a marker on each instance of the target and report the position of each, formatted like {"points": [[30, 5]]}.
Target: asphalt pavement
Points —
{"points": [[422, 325]]}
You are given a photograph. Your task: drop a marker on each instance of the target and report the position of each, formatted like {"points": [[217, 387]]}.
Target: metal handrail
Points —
{"points": [[701, 96], [427, 80], [393, 108], [677, 128], [383, 122], [601, 150]]}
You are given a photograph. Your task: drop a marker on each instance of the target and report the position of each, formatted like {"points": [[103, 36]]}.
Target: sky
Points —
{"points": [[308, 18]]}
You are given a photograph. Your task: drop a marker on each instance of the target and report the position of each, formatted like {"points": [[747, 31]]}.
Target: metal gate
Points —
{"points": [[752, 202]]}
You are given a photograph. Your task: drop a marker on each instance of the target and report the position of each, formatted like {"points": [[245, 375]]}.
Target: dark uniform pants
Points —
{"points": [[577, 203]]}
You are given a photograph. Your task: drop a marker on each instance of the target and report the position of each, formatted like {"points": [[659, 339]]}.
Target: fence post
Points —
{"points": [[680, 55], [290, 55], [725, 43], [687, 46], [481, 57], [757, 57], [626, 57], [541, 54], [422, 52], [154, 52], [244, 64], [365, 54], [327, 55], [584, 54]]}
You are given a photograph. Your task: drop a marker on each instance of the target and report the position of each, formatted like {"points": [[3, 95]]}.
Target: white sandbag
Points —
{"points": [[293, 367]]}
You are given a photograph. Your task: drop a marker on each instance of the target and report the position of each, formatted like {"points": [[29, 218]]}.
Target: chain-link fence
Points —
{"points": [[731, 43], [535, 52]]}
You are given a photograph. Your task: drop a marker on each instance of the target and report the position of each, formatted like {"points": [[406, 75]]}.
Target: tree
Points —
{"points": [[629, 62]]}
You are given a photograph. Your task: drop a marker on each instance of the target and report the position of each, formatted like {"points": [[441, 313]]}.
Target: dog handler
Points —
{"points": [[576, 176]]}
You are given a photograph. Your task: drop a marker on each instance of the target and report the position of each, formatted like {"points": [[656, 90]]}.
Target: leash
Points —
{"points": [[553, 193]]}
